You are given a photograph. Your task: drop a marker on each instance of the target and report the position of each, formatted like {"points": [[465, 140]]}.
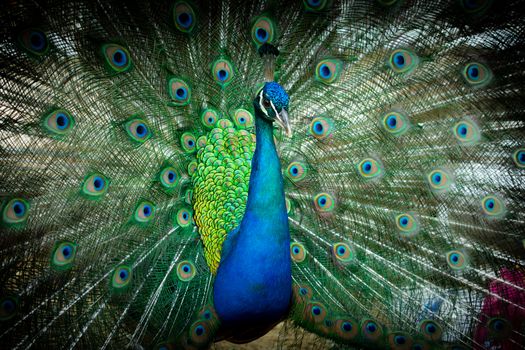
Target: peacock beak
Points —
{"points": [[282, 120]]}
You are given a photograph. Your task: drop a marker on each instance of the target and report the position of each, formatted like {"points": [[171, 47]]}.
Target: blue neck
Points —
{"points": [[266, 192], [253, 283]]}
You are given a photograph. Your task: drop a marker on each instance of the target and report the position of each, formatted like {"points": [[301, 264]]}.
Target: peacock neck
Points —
{"points": [[265, 193], [253, 285]]}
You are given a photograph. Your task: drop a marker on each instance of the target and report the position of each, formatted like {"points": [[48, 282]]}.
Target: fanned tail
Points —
{"points": [[404, 177], [404, 183]]}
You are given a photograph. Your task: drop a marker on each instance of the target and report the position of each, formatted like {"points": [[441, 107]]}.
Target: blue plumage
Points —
{"points": [[254, 284], [276, 94]]}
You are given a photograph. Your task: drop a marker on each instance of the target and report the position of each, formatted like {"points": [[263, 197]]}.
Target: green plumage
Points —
{"points": [[221, 185], [404, 177]]}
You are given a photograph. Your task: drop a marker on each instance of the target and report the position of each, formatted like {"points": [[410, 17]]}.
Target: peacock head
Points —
{"points": [[272, 103]]}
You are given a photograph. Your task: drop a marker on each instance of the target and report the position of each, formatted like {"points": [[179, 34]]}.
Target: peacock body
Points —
{"points": [[148, 199]]}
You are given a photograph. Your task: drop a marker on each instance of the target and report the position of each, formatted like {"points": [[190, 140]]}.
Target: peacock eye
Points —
{"points": [[243, 119], [121, 278], [138, 130], [117, 57], [266, 103], [184, 17], [183, 217], [8, 307], [456, 260], [59, 122], [144, 212], [263, 31], [209, 117], [15, 211], [430, 330], [186, 271], [95, 185], [63, 255]]}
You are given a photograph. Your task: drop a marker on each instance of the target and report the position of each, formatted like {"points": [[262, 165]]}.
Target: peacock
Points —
{"points": [[178, 173]]}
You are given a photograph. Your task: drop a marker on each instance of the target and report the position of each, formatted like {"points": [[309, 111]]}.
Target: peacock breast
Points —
{"points": [[253, 282]]}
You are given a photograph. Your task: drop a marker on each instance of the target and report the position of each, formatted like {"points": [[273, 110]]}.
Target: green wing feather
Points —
{"points": [[221, 185]]}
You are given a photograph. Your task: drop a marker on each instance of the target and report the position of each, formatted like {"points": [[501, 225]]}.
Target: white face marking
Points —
{"points": [[274, 109], [261, 104]]}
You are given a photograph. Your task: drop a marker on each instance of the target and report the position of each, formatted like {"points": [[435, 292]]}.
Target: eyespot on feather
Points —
{"points": [[59, 122], [499, 327], [243, 119], [370, 168], [144, 212], [117, 58], [297, 252], [15, 211], [209, 117], [440, 180], [395, 123], [225, 123], [476, 74], [403, 61], [519, 157], [208, 314], [184, 17], [121, 278], [431, 330], [200, 333], [8, 307], [95, 185], [34, 41], [263, 31], [165, 346], [419, 344], [223, 72], [456, 260], [343, 253], [183, 217], [201, 142], [400, 341], [493, 207], [169, 177], [346, 328], [188, 196], [138, 130], [296, 171], [467, 132], [63, 255], [179, 91], [324, 202], [302, 293], [321, 128], [315, 312], [192, 168], [188, 142], [327, 71], [315, 5], [371, 330], [407, 224], [186, 271]]}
